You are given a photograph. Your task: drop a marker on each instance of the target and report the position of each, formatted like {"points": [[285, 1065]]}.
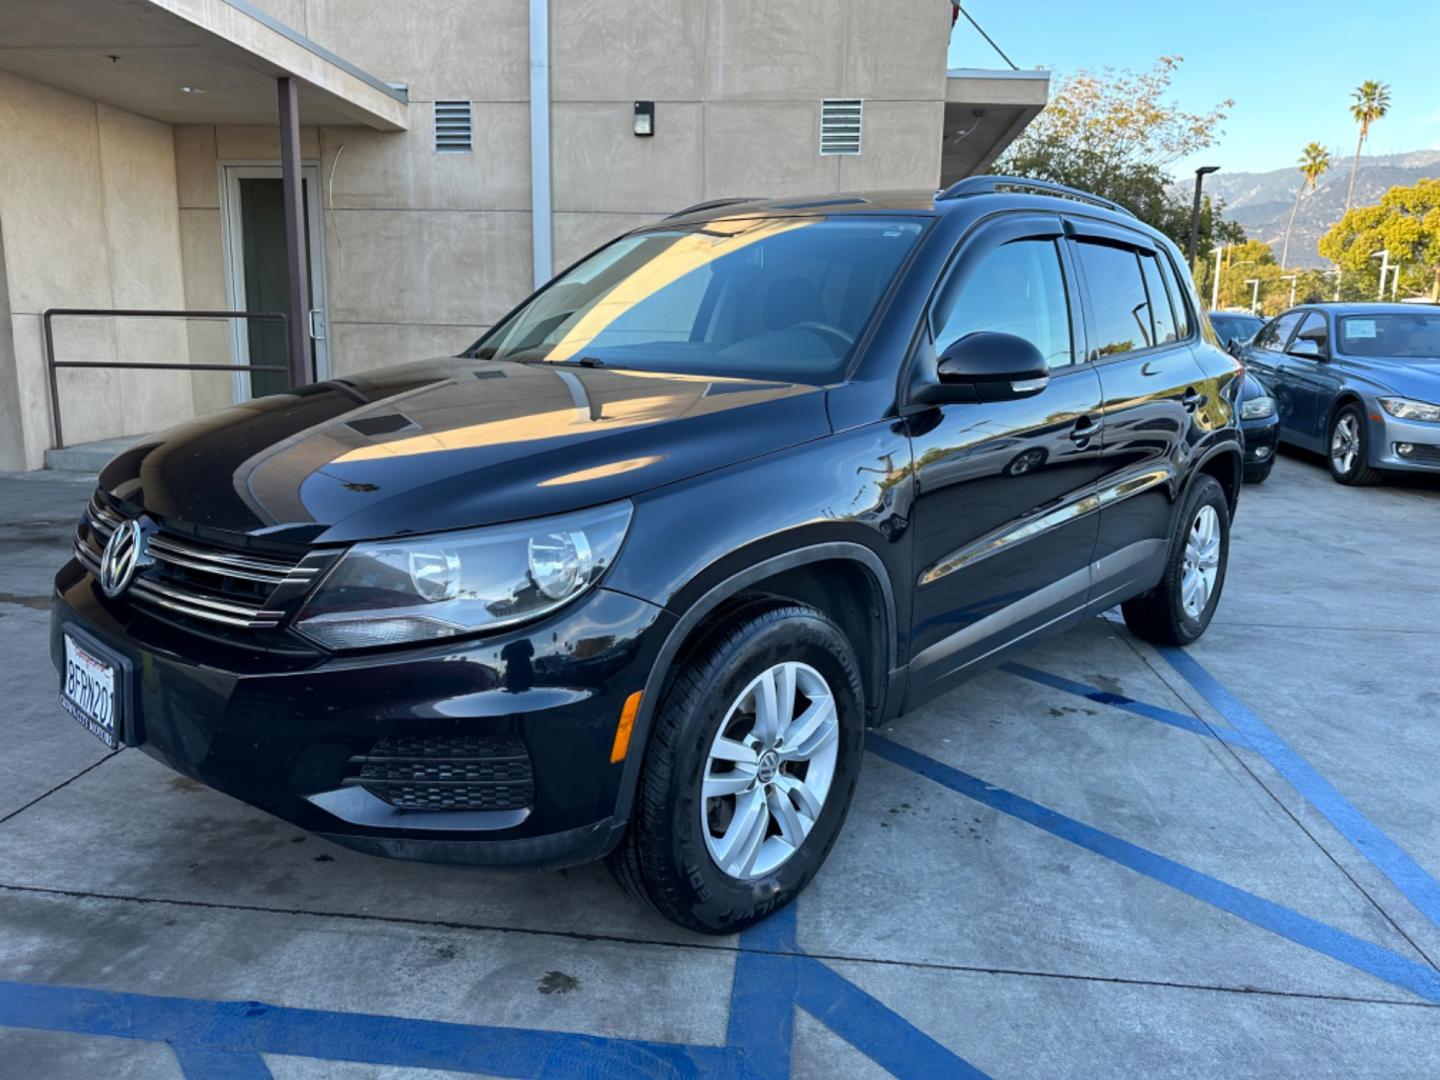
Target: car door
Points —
{"points": [[1310, 382], [1151, 387], [1003, 522], [1265, 355]]}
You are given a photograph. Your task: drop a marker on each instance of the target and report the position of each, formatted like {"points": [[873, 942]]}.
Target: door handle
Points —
{"points": [[317, 324], [1193, 399], [1084, 430]]}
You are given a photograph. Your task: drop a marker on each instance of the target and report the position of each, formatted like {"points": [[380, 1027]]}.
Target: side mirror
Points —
{"points": [[1233, 347], [1306, 348], [986, 366]]}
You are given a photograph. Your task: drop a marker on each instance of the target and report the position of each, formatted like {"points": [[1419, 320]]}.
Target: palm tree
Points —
{"points": [[1314, 160], [1372, 102]]}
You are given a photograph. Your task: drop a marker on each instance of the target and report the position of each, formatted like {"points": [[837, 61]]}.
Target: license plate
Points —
{"points": [[87, 691]]}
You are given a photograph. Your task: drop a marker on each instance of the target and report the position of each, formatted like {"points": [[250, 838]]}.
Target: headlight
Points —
{"points": [[1257, 408], [445, 584], [1405, 409]]}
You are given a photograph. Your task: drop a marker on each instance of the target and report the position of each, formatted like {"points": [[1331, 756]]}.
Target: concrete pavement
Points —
{"points": [[1105, 860]]}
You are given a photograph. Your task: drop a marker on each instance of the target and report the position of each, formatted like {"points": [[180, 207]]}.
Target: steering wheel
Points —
{"points": [[825, 330]]}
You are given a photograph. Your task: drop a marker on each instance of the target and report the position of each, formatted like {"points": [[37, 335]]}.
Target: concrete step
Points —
{"points": [[88, 457]]}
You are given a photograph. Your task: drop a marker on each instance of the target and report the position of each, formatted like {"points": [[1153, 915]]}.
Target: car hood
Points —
{"points": [[450, 444], [1405, 377]]}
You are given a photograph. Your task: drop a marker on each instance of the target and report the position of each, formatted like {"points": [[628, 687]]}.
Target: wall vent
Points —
{"points": [[840, 125], [452, 127]]}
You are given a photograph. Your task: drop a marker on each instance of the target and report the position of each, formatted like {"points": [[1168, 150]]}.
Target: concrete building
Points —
{"points": [[140, 166]]}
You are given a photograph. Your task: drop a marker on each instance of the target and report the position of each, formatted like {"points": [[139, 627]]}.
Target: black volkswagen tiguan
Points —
{"points": [[631, 576]]}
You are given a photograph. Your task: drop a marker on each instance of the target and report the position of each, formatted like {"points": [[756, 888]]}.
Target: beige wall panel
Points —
{"points": [[576, 235], [137, 159], [210, 342], [900, 147], [896, 49], [402, 169], [763, 148], [254, 142], [426, 266], [621, 50], [50, 198], [359, 347], [600, 164], [761, 49], [289, 12], [478, 49], [196, 179]]}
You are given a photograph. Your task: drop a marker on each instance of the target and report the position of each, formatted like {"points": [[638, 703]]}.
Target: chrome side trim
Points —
{"points": [[1129, 485]]}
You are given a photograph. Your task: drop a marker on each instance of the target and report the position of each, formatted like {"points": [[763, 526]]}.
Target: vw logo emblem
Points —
{"points": [[124, 554]]}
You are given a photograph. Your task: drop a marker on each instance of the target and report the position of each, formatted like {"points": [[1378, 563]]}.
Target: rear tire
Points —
{"points": [[1347, 446], [1174, 613], [670, 855]]}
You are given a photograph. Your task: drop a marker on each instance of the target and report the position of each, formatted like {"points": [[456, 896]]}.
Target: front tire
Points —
{"points": [[1178, 610], [1349, 448], [749, 772]]}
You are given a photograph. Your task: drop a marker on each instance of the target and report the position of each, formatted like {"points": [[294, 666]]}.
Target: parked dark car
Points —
{"points": [[1359, 383], [1235, 328], [1261, 426], [631, 575]]}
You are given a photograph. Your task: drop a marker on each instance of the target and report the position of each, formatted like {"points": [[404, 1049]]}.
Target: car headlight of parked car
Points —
{"points": [[437, 586], [1405, 409], [1257, 408]]}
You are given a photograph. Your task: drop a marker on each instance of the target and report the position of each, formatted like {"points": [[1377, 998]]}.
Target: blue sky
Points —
{"points": [[1290, 66]]}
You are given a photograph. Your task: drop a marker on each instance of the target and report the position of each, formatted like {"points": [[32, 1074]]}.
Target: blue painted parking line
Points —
{"points": [[1183, 721], [1390, 858], [1362, 955], [200, 1063]]}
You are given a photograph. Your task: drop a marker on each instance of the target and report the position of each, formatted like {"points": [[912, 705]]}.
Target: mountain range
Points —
{"points": [[1261, 201]]}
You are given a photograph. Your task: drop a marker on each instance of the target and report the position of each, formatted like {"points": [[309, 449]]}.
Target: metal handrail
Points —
{"points": [[52, 365]]}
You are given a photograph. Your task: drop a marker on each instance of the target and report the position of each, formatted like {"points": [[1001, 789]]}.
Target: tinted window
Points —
{"points": [[777, 298], [1413, 337], [1177, 294], [1229, 325], [1161, 312], [1118, 301], [1276, 332], [1314, 329], [1016, 289]]}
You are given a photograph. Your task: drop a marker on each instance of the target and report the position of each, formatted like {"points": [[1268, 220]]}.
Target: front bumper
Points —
{"points": [[1389, 433], [282, 731], [1261, 438]]}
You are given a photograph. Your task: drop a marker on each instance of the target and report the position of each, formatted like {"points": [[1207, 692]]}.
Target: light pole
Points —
{"points": [[1254, 283], [1292, 279], [1200, 174], [1215, 289], [1384, 257]]}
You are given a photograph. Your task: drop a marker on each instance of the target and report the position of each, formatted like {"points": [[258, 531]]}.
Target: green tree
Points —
{"points": [[1116, 133], [1371, 103], [1406, 223], [1314, 161]]}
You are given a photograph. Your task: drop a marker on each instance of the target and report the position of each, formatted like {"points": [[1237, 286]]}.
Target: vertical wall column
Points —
{"points": [[540, 216], [298, 329]]}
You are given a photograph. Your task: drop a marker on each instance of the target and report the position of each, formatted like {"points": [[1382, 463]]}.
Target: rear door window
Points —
{"points": [[1119, 304]]}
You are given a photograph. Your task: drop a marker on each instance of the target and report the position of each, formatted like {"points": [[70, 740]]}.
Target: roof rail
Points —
{"points": [[988, 185], [713, 204]]}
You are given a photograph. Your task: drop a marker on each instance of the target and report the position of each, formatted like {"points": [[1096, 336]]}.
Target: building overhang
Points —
{"points": [[985, 111], [141, 55]]}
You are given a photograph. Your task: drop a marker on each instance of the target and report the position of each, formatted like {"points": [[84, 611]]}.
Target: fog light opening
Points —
{"points": [[1262, 452], [1404, 449]]}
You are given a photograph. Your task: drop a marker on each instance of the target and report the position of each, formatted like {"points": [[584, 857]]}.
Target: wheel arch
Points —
{"points": [[795, 575]]}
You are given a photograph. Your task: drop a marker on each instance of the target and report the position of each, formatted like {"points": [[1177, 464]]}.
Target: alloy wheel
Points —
{"points": [[769, 770], [1345, 443], [1202, 562]]}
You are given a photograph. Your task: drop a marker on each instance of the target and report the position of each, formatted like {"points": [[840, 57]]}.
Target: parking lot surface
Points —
{"points": [[1103, 860]]}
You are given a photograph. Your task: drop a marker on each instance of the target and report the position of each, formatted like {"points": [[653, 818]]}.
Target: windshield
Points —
{"points": [[770, 298], [1235, 326], [1414, 337]]}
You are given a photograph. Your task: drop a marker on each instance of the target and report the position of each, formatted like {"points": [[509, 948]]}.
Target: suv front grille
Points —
{"points": [[466, 772], [199, 580]]}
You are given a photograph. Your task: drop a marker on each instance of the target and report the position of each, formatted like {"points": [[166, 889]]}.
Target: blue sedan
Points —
{"points": [[1359, 383]]}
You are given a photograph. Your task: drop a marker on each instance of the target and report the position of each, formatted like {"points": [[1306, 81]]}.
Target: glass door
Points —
{"points": [[259, 273]]}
